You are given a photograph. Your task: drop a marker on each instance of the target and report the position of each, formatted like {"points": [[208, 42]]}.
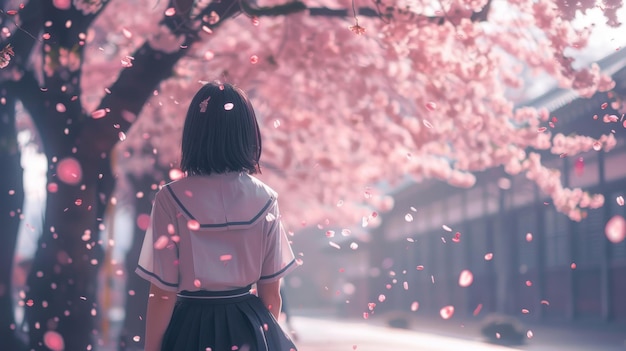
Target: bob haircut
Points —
{"points": [[221, 133]]}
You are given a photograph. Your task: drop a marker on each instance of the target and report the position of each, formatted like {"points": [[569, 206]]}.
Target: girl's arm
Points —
{"points": [[269, 293], [160, 307]]}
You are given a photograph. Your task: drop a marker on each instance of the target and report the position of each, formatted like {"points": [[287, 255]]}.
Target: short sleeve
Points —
{"points": [[279, 259], [158, 260]]}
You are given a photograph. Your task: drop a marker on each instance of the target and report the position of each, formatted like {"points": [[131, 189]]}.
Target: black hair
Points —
{"points": [[221, 133]]}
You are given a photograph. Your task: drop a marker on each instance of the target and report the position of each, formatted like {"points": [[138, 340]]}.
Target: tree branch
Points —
{"points": [[298, 6], [26, 36], [135, 84]]}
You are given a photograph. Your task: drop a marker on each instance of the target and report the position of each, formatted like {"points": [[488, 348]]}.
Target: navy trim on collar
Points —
{"points": [[157, 277], [219, 225], [279, 272]]}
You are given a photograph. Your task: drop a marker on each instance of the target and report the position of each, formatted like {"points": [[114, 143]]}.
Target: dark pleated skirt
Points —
{"points": [[223, 321]]}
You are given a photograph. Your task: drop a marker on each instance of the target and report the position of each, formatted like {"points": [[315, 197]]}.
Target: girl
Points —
{"points": [[213, 234]]}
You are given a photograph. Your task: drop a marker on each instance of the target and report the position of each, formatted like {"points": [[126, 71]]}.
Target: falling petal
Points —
{"points": [[415, 306], [529, 237], [170, 12], [127, 61], [228, 106], [143, 221], [620, 200], [408, 217], [54, 341], [466, 278], [381, 298], [431, 106], [457, 237], [477, 309], [529, 334], [226, 257], [176, 174], [488, 256], [53, 187], [335, 245], [69, 171], [61, 108], [615, 229], [354, 246], [161, 242], [597, 146], [447, 312], [97, 114], [192, 224], [330, 233], [446, 228], [254, 59]]}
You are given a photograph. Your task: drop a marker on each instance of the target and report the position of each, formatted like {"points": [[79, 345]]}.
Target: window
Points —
{"points": [[527, 250], [584, 170], [591, 240], [454, 205], [618, 251], [477, 237], [614, 165], [474, 202], [493, 198], [523, 191], [557, 238]]}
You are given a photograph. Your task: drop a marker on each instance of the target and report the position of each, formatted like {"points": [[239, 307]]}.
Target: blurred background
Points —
{"points": [[418, 239]]}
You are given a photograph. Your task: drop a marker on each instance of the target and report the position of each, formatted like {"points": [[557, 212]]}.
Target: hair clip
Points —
{"points": [[204, 104]]}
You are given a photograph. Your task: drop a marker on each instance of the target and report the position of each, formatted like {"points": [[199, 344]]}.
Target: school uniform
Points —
{"points": [[210, 239]]}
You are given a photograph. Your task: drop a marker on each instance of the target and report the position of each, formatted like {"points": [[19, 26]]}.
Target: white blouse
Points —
{"points": [[218, 232]]}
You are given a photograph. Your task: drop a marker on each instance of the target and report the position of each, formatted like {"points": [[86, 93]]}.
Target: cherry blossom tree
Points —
{"points": [[350, 95]]}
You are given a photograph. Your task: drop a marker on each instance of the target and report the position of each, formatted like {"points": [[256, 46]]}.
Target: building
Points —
{"points": [[526, 259]]}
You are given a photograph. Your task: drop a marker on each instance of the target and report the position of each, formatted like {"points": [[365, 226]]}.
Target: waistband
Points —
{"points": [[206, 294]]}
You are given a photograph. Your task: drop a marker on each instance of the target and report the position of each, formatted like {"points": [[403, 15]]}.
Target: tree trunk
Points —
{"points": [[62, 295], [11, 202]]}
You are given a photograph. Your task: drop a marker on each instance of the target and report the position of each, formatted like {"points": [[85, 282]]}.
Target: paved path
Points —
{"points": [[326, 334], [316, 334]]}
